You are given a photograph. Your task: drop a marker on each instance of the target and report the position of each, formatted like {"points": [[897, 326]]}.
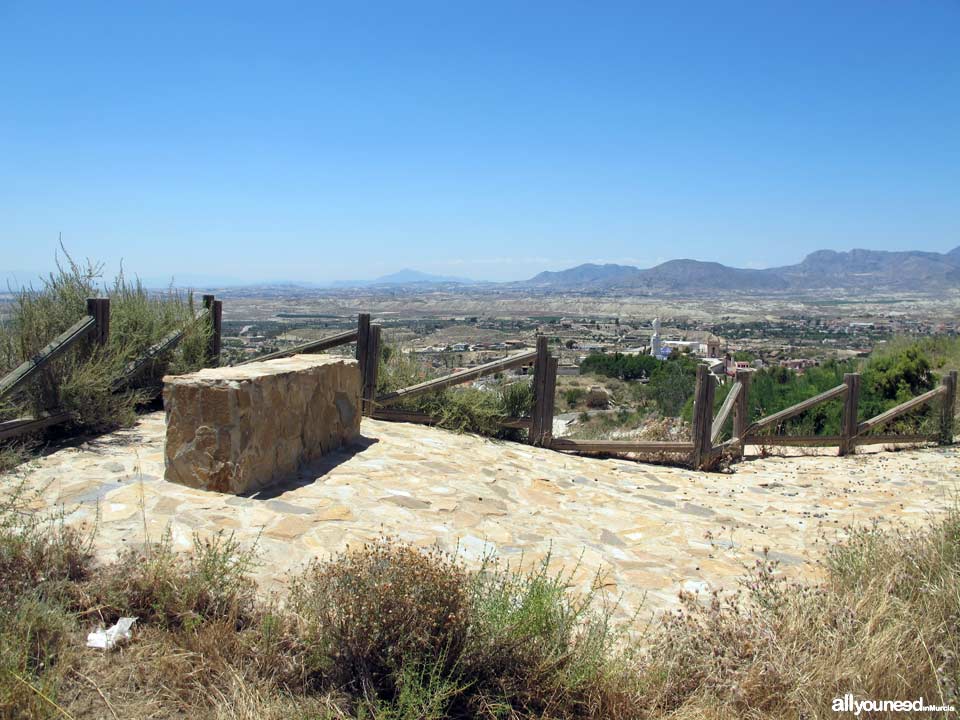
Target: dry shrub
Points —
{"points": [[162, 587], [408, 633], [597, 399], [393, 632], [41, 563], [81, 381], [883, 626], [211, 670], [367, 615], [37, 553]]}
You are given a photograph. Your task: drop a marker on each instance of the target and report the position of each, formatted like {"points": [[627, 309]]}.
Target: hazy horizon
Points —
{"points": [[14, 278]]}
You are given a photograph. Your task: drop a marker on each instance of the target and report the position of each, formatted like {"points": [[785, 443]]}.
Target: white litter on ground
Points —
{"points": [[107, 639]]}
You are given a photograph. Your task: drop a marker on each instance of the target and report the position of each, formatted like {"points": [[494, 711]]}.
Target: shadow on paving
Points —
{"points": [[309, 474]]}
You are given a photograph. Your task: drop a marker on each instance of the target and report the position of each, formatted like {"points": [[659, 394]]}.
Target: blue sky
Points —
{"points": [[319, 141]]}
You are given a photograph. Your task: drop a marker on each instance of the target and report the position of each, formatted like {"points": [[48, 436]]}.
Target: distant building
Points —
{"points": [[733, 365], [798, 364]]}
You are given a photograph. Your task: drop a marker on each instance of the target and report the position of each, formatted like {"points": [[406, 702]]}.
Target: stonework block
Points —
{"points": [[239, 429]]}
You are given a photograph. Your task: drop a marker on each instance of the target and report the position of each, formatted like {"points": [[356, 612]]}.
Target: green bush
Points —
{"points": [[620, 366], [572, 396], [672, 384], [537, 650]]}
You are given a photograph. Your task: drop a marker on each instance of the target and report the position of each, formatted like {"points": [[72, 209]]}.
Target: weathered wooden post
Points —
{"points": [[215, 308], [363, 342], [549, 397], [371, 370], [948, 409], [99, 310], [703, 417], [849, 419], [741, 411], [363, 336], [539, 391]]}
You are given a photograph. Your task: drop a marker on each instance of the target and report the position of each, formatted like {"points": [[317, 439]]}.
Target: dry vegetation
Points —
{"points": [[81, 381], [461, 408], [392, 632]]}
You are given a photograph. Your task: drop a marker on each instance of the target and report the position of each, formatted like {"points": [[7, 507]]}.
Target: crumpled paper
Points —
{"points": [[107, 639]]}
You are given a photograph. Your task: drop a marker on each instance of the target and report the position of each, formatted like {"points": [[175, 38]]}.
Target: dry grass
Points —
{"points": [[391, 632], [81, 380], [882, 627]]}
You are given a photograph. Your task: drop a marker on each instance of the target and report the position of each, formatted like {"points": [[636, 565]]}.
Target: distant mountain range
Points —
{"points": [[853, 270]]}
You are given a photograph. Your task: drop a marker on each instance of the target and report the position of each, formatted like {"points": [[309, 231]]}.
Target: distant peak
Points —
{"points": [[409, 275]]}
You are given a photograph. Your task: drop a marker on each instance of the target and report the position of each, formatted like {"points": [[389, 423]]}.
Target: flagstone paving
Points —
{"points": [[642, 532]]}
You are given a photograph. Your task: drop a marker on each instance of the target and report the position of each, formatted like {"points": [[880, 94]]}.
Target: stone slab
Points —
{"points": [[241, 429]]}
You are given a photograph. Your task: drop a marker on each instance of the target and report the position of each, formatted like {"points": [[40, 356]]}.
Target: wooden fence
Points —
{"points": [[90, 330], [539, 424], [702, 450]]}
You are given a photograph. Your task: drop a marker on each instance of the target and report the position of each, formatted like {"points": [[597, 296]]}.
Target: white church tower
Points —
{"points": [[655, 338]]}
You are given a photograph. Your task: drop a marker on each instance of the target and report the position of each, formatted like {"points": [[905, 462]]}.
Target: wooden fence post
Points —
{"points": [[948, 408], [741, 411], [99, 310], [539, 391], [848, 419], [702, 417], [549, 401], [371, 369], [215, 307], [363, 337]]}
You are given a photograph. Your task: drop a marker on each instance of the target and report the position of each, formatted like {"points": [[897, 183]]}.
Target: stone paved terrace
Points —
{"points": [[650, 530]]}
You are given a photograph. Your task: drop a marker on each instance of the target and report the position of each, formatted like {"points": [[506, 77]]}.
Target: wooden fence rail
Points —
{"points": [[720, 420], [852, 432], [95, 326], [457, 378], [895, 412], [613, 447], [794, 410], [24, 425], [54, 349], [539, 425], [314, 346]]}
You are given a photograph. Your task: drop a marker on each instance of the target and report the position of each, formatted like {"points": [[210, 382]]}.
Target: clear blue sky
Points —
{"points": [[316, 141]]}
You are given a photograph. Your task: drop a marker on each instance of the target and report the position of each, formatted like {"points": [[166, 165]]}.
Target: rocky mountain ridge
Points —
{"points": [[851, 270]]}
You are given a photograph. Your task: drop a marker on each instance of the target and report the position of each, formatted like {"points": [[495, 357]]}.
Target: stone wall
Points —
{"points": [[240, 429]]}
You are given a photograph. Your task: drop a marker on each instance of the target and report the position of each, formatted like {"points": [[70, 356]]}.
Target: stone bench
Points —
{"points": [[239, 429]]}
